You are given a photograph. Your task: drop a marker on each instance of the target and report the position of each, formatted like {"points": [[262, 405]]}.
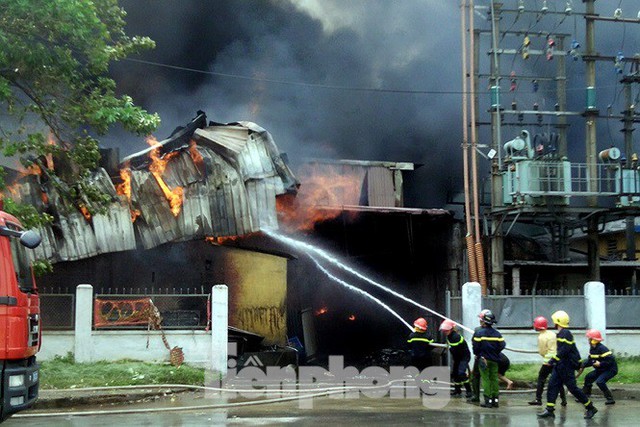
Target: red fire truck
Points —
{"points": [[19, 318]]}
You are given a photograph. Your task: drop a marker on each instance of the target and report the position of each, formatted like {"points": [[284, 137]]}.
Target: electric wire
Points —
{"points": [[292, 83]]}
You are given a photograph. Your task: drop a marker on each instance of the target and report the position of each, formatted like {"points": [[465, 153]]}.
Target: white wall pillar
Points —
{"points": [[471, 306], [595, 307], [219, 331], [515, 279], [84, 321]]}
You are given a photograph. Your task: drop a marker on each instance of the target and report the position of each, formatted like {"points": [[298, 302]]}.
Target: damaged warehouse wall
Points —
{"points": [[203, 181]]}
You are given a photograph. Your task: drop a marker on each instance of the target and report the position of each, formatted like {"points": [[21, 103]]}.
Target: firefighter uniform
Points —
{"points": [[565, 363], [607, 369], [487, 345], [461, 357], [420, 349]]}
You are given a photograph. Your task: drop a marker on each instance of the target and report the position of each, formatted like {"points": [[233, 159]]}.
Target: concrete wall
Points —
{"points": [[624, 343], [202, 348], [116, 345]]}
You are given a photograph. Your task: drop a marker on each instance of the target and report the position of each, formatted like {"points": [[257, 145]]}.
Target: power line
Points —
{"points": [[304, 84]]}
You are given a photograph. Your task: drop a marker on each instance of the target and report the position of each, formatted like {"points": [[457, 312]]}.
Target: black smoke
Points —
{"points": [[382, 83]]}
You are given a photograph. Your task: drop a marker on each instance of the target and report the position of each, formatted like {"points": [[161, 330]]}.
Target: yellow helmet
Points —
{"points": [[560, 318]]}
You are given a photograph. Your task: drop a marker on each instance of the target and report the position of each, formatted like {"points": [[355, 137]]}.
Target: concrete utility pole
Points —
{"points": [[497, 238], [591, 113], [628, 149]]}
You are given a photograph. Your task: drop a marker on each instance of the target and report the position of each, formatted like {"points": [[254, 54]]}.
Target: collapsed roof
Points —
{"points": [[223, 178]]}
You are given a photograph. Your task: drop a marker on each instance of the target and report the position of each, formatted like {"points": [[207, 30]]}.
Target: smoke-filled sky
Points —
{"points": [[341, 79]]}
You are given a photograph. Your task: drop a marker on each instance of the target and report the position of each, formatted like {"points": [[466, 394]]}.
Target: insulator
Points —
{"points": [[568, 9]]}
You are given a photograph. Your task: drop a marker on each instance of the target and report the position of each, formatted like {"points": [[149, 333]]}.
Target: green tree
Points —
{"points": [[54, 62]]}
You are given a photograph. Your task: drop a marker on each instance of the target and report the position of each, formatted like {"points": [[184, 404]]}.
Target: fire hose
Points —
{"points": [[396, 294], [320, 392]]}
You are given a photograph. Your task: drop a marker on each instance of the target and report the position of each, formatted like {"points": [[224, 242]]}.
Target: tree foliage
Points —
{"points": [[54, 62]]}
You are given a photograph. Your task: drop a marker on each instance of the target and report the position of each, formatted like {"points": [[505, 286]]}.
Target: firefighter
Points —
{"points": [[547, 348], [565, 363], [604, 364], [420, 344], [461, 357], [487, 345], [475, 374]]}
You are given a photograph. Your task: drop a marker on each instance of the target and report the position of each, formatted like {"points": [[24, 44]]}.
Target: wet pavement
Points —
{"points": [[340, 411]]}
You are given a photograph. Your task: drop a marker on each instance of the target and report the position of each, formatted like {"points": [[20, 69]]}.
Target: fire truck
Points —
{"points": [[20, 334]]}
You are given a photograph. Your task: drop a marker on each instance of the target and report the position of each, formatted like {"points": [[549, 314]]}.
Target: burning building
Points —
{"points": [[187, 213]]}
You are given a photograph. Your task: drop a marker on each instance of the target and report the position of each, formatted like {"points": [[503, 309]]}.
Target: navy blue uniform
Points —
{"points": [[565, 363], [607, 369], [488, 343], [420, 349], [461, 357]]}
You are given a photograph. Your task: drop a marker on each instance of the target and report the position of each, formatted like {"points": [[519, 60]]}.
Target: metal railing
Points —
{"points": [[57, 311], [518, 311], [178, 310], [623, 307]]}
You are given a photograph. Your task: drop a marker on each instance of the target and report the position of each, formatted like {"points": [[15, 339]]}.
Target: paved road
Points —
{"points": [[514, 411]]}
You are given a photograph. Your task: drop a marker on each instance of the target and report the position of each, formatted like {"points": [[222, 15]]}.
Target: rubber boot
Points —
{"points": [[547, 413], [488, 403], [457, 391], [607, 394], [468, 392], [535, 402], [495, 403], [590, 412]]}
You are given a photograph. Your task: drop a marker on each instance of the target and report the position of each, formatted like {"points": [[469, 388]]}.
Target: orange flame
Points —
{"points": [[157, 167], [195, 154], [220, 240], [31, 170], [44, 197], [352, 317], [135, 213], [321, 311], [85, 212], [124, 188], [322, 186]]}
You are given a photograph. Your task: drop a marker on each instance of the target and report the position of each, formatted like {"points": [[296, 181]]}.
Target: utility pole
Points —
{"points": [[591, 113], [497, 238]]}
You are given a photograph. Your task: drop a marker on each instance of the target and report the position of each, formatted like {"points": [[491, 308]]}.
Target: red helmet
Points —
{"points": [[447, 325], [420, 323], [594, 334], [540, 323]]}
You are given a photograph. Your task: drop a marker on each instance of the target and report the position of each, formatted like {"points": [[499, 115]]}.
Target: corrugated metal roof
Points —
{"points": [[231, 192]]}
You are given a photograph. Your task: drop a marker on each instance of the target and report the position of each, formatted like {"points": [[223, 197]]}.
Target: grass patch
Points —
{"points": [[63, 372], [628, 371]]}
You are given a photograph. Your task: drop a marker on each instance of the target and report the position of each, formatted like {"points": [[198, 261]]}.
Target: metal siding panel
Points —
{"points": [[381, 192]]}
